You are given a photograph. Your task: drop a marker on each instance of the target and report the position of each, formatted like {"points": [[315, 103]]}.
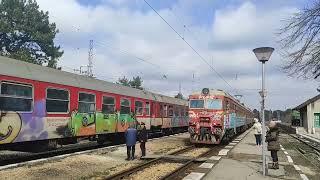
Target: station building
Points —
{"points": [[310, 115]]}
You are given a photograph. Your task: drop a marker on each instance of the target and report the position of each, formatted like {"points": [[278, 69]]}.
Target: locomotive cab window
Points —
{"points": [[57, 101], [16, 97], [196, 103], [138, 108], [86, 103], [125, 106], [215, 104], [108, 105]]}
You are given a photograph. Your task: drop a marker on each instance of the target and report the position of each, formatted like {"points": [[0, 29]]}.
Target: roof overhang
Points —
{"points": [[306, 103]]}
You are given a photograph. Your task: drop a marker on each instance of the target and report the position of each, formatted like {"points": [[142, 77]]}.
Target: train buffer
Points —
{"points": [[244, 161]]}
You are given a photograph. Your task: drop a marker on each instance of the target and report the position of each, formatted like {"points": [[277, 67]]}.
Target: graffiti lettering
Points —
{"points": [[10, 126]]}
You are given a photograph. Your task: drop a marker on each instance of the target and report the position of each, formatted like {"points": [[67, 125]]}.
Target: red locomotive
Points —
{"points": [[216, 116]]}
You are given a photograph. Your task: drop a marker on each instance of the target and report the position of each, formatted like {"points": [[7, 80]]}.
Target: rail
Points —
{"points": [[7, 160]]}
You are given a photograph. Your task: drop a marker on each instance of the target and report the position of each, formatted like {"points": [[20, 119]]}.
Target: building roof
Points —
{"points": [[21, 69], [309, 101]]}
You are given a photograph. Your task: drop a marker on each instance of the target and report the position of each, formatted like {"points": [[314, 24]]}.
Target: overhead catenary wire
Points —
{"points": [[129, 54], [201, 57], [104, 44]]}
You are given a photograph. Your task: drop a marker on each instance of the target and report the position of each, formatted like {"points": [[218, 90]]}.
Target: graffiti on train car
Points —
{"points": [[10, 126], [29, 126], [17, 127]]}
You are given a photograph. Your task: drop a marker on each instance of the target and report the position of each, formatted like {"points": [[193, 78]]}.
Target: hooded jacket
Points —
{"points": [[143, 135], [257, 128], [272, 138]]}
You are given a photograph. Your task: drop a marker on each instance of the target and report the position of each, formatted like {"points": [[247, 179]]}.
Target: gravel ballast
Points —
{"points": [[94, 165]]}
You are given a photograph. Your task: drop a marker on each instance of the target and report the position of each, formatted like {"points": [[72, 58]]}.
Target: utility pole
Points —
{"points": [[179, 87], [90, 59]]}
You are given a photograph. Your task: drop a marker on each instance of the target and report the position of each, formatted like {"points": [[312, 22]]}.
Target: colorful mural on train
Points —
{"points": [[19, 127]]}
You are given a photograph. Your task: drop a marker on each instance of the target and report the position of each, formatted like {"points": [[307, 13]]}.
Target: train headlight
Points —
{"points": [[205, 91]]}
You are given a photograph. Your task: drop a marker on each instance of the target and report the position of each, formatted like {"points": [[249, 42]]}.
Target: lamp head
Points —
{"points": [[263, 53]]}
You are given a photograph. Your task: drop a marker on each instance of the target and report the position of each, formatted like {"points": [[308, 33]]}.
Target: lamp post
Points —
{"points": [[263, 54]]}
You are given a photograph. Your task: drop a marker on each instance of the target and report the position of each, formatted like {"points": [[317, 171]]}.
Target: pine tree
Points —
{"points": [[26, 33]]}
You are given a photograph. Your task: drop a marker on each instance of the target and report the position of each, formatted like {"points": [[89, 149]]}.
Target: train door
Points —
{"points": [[166, 122], [125, 116], [106, 121], [82, 122], [147, 114]]}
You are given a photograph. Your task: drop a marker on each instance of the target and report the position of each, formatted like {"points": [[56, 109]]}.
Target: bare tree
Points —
{"points": [[300, 42]]}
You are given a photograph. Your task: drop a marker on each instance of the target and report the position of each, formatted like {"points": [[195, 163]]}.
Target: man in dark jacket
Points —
{"points": [[131, 139], [272, 138], [143, 137]]}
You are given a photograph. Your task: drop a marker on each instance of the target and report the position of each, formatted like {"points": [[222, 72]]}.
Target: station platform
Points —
{"points": [[302, 132], [242, 159]]}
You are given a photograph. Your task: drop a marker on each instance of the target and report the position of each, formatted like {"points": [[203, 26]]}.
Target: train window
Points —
{"points": [[182, 112], [214, 104], [147, 108], [16, 97], [196, 103], [165, 110], [138, 107], [176, 111], [108, 105], [170, 111], [86, 103], [227, 105], [125, 106], [161, 110], [57, 100]]}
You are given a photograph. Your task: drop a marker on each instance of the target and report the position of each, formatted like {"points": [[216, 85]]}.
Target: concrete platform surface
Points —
{"points": [[243, 162]]}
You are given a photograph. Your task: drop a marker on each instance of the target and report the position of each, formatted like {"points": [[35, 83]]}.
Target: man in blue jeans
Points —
{"points": [[131, 139]]}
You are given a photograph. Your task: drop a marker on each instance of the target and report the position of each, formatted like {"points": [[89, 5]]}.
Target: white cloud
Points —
{"points": [[248, 25], [234, 32]]}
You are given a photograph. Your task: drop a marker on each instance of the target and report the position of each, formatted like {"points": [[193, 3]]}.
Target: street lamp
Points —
{"points": [[263, 54]]}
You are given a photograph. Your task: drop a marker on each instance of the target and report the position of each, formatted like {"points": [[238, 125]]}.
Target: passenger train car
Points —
{"points": [[216, 116], [45, 105]]}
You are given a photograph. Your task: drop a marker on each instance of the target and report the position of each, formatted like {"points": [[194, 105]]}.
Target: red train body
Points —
{"points": [[48, 105]]}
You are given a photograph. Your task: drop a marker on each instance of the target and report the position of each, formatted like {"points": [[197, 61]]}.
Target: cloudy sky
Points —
{"points": [[130, 39]]}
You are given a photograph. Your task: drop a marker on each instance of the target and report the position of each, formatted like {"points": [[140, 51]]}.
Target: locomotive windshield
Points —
{"points": [[214, 104], [196, 103]]}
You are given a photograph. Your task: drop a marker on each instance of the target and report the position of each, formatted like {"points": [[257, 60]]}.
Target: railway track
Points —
{"points": [[185, 157], [15, 158], [309, 149], [312, 144], [181, 159], [292, 132]]}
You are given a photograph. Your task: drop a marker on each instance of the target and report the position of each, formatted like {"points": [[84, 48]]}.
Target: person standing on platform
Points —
{"points": [[131, 139], [143, 137], [272, 138], [257, 131]]}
